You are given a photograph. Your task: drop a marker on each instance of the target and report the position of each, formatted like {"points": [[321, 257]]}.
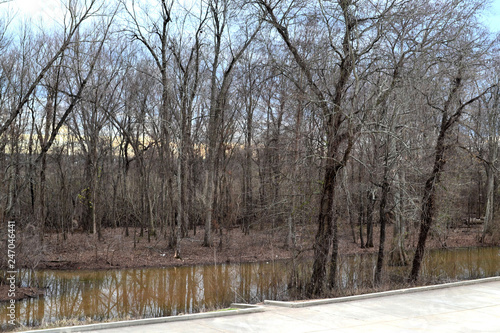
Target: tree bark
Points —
{"points": [[398, 255], [383, 214], [490, 193], [371, 198], [361, 209], [428, 201]]}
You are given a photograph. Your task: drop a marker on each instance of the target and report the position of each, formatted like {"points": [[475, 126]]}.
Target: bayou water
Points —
{"points": [[82, 296]]}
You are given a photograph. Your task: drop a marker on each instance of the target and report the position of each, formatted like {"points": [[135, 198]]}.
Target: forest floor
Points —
{"points": [[84, 251], [81, 251]]}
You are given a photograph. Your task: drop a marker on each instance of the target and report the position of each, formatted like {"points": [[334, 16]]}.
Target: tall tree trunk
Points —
{"points": [[292, 239], [398, 253], [181, 196], [490, 194], [491, 164], [213, 127], [247, 170], [349, 205], [490, 180], [42, 214], [334, 118], [323, 237], [448, 119], [371, 198], [361, 209], [389, 155], [218, 96], [332, 281], [167, 153], [428, 200], [383, 214], [41, 199], [210, 187]]}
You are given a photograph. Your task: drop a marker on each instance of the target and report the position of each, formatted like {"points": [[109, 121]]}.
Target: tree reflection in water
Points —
{"points": [[156, 292]]}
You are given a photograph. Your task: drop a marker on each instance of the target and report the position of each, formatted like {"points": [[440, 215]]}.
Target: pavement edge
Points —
{"points": [[301, 304], [240, 309]]}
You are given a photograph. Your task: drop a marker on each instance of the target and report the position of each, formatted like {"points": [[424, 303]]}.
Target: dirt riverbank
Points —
{"points": [[81, 251]]}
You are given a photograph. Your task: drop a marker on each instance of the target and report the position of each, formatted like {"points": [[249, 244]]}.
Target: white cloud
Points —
{"points": [[492, 16], [37, 9]]}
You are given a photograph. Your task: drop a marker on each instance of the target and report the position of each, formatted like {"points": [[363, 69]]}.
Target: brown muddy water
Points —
{"points": [[153, 292]]}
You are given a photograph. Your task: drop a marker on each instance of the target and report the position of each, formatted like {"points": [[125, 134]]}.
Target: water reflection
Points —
{"points": [[105, 295], [134, 293]]}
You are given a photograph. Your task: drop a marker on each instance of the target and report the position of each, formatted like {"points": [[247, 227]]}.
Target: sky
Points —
{"points": [[45, 10], [492, 18], [34, 7], [51, 9]]}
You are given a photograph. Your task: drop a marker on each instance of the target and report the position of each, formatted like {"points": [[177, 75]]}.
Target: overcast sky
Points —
{"points": [[493, 20], [51, 9]]}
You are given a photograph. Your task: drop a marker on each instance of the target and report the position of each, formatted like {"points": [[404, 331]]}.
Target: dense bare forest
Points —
{"points": [[167, 118]]}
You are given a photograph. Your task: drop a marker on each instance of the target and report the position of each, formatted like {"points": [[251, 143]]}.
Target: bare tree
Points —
{"points": [[459, 52], [75, 18], [187, 68], [221, 13], [486, 149], [337, 19], [151, 29]]}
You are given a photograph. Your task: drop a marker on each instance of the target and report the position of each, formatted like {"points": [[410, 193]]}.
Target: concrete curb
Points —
{"points": [[301, 304], [241, 309]]}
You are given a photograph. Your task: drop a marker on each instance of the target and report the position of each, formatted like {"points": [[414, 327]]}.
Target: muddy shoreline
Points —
{"points": [[20, 293]]}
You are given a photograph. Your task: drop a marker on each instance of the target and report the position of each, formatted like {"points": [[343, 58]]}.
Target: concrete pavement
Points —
{"points": [[469, 307]]}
